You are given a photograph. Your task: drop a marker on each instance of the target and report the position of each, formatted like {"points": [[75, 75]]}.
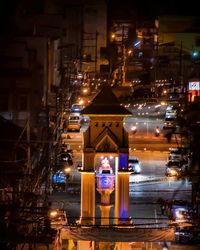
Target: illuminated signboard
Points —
{"points": [[105, 178], [193, 90], [105, 181], [194, 85]]}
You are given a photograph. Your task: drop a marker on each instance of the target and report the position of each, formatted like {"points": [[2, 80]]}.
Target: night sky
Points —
{"points": [[149, 8], [124, 9]]}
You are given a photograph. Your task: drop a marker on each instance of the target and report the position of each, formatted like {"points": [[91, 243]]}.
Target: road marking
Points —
{"points": [[156, 216]]}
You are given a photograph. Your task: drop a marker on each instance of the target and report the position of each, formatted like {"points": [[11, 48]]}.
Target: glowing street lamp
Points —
{"points": [[85, 91], [81, 101], [67, 170], [53, 213], [113, 36], [130, 52]]}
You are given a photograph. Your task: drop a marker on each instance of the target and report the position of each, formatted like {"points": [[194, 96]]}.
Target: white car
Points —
{"points": [[134, 165], [74, 123]]}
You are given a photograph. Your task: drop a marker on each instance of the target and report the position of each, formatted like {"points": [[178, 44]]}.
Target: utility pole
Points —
{"points": [[28, 148], [96, 43], [123, 58], [124, 65], [181, 66]]}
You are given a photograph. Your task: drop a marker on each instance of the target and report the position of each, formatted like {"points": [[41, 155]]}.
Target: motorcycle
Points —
{"points": [[133, 129], [157, 132]]}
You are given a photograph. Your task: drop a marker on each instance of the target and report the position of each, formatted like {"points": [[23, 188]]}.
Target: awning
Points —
{"points": [[118, 234]]}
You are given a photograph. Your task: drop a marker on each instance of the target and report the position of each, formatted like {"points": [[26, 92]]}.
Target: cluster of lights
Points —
{"points": [[135, 149], [161, 81], [103, 157], [98, 79], [80, 79], [136, 81]]}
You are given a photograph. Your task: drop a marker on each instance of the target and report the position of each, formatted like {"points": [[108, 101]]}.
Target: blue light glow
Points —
{"points": [[105, 181], [123, 161], [137, 43]]}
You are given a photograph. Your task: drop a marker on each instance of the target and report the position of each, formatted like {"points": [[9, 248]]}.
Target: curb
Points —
{"points": [[149, 180]]}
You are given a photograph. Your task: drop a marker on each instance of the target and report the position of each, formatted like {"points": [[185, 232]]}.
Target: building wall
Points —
{"points": [[47, 50], [94, 35]]}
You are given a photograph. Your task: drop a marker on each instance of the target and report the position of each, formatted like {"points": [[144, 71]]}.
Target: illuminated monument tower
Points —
{"points": [[105, 186], [105, 159]]}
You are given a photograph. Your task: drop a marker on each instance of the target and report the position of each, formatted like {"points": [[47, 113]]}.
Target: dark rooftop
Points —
{"points": [[105, 102]]}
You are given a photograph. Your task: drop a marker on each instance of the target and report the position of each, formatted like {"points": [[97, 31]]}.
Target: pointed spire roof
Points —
{"points": [[105, 102]]}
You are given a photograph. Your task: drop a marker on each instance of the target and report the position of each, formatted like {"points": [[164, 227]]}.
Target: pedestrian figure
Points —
{"points": [[167, 209], [169, 137], [163, 209]]}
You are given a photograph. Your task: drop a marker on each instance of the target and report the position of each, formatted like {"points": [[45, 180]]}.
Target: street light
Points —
{"points": [[67, 172], [124, 64], [130, 52]]}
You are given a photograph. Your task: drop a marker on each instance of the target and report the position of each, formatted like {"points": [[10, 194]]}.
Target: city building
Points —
{"points": [[178, 48], [52, 43], [43, 50]]}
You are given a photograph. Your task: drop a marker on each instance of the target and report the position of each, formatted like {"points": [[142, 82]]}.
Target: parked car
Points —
{"points": [[178, 154], [76, 108], [65, 150], [134, 165], [74, 123], [169, 123], [66, 158], [184, 235]]}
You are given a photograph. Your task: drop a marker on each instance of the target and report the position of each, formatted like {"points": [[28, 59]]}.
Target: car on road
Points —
{"points": [[169, 123], [178, 154], [74, 123], [134, 165], [76, 108], [57, 218], [176, 168]]}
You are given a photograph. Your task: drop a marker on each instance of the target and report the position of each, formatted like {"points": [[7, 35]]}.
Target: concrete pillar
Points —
{"points": [[87, 198], [105, 213], [122, 198]]}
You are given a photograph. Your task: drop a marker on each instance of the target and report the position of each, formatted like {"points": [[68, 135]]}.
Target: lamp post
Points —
{"points": [[126, 53], [124, 64]]}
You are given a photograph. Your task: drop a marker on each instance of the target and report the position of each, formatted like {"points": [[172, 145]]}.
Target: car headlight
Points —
{"points": [[137, 168], [172, 171]]}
